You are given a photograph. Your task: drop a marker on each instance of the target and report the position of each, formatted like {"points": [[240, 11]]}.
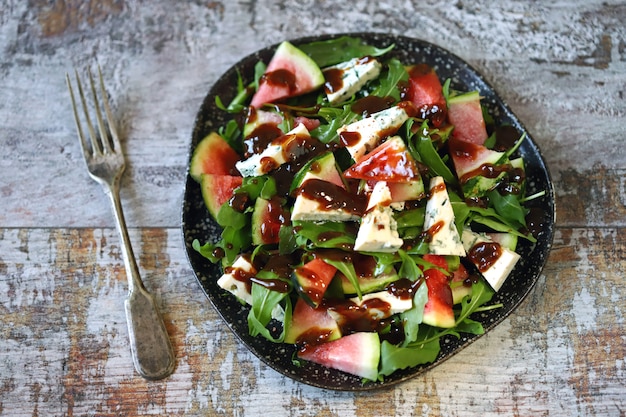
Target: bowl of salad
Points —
{"points": [[360, 207]]}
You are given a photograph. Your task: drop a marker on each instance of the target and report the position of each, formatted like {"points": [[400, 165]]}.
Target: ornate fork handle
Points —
{"points": [[153, 356], [151, 348]]}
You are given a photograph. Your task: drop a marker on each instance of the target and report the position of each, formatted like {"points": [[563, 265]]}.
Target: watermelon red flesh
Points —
{"points": [[466, 114], [258, 117], [438, 309], [217, 190], [213, 155], [470, 159], [290, 73], [357, 354], [426, 93], [310, 124], [311, 326], [312, 280], [390, 161]]}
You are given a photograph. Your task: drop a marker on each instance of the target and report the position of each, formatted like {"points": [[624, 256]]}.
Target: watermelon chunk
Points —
{"points": [[438, 309], [267, 218], [357, 354], [257, 118], [466, 114], [426, 93], [311, 280], [323, 167], [469, 158], [290, 73], [213, 155], [390, 161], [479, 169], [217, 190], [311, 326]]}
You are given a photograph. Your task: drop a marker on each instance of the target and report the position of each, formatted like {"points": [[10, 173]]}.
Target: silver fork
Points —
{"points": [[151, 348]]}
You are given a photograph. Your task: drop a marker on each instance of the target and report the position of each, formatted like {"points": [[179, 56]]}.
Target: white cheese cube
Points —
{"points": [[256, 165], [439, 221], [371, 130], [354, 75], [396, 304], [499, 269], [239, 288]]}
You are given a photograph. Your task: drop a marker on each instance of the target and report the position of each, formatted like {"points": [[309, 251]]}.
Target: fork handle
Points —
{"points": [[150, 344]]}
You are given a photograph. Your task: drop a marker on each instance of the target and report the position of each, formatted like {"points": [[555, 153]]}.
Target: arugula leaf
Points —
{"points": [[508, 207], [287, 242], [234, 241], [344, 48], [254, 187], [413, 318], [207, 250], [408, 267], [481, 294], [335, 117], [499, 226], [264, 301], [388, 83], [229, 217], [465, 214], [446, 89], [393, 358], [326, 234], [410, 218], [461, 214], [470, 326], [347, 269], [421, 147]]}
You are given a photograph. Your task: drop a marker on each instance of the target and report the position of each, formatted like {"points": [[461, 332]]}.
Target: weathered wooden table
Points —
{"points": [[561, 66]]}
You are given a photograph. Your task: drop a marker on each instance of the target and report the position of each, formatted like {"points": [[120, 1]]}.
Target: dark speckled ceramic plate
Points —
{"points": [[196, 223]]}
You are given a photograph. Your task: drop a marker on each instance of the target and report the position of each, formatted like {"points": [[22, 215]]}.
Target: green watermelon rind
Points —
{"points": [[212, 147]]}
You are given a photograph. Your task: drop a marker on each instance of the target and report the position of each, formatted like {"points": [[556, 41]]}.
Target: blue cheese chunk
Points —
{"points": [[497, 269], [378, 230], [239, 288], [272, 157], [439, 221], [396, 304], [364, 135], [386, 305], [353, 74], [306, 209], [379, 196]]}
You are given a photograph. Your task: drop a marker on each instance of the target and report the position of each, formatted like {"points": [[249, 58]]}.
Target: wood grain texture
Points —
{"points": [[63, 345]]}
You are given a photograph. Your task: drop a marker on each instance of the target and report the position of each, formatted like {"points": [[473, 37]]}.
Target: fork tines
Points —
{"points": [[106, 141]]}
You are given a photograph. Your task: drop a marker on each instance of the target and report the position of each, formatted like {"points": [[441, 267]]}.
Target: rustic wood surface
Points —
{"points": [[561, 66]]}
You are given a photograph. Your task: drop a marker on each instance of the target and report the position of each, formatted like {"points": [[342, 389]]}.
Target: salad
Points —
{"points": [[367, 208]]}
